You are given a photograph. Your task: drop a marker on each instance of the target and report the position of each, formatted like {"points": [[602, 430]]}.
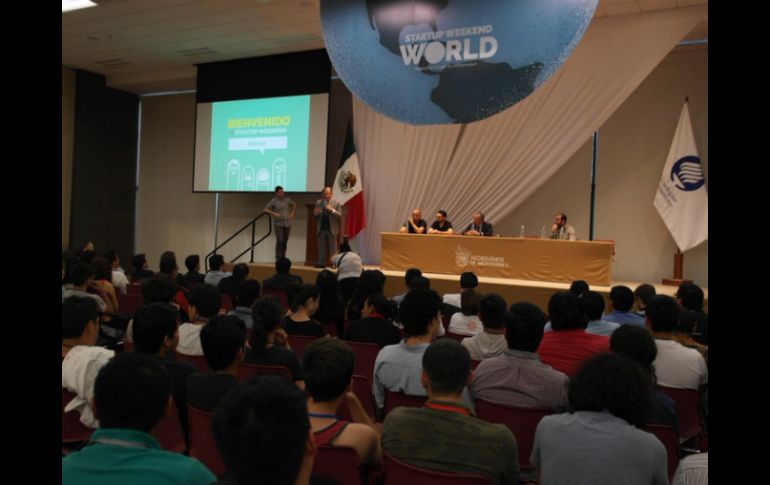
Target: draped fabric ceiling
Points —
{"points": [[495, 164]]}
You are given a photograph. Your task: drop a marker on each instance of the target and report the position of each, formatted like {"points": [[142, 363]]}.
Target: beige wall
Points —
{"points": [[67, 142], [633, 146], [171, 217]]}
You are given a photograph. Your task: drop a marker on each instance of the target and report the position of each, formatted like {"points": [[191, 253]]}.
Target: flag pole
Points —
{"points": [[678, 270]]}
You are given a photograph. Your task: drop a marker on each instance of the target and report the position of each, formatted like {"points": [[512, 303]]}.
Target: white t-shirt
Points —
{"points": [[190, 339], [678, 366], [350, 267], [119, 281], [465, 324]]}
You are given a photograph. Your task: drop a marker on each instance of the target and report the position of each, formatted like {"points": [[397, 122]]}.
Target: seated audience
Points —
{"points": [[467, 321], [300, 321], [377, 325], [330, 306], [328, 368], [621, 301], [371, 281], [223, 340], [268, 343], [248, 292], [638, 345], [283, 279], [598, 442], [193, 276], [141, 271], [156, 333], [642, 295], [409, 276], [675, 365], [568, 345], [468, 281], [517, 377], [229, 284], [81, 359], [131, 396], [398, 367], [205, 302], [215, 273], [491, 341], [690, 297], [262, 431], [445, 435]]}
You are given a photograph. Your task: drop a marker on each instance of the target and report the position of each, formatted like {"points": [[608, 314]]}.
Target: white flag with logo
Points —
{"points": [[681, 197]]}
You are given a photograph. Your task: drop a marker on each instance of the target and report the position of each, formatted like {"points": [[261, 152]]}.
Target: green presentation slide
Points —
{"points": [[257, 144]]}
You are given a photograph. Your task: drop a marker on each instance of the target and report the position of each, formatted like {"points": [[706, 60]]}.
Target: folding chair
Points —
{"points": [[202, 444], [522, 423], [245, 371], [398, 472]]}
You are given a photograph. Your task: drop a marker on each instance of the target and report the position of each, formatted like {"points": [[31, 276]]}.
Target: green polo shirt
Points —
{"points": [[127, 457], [450, 438]]}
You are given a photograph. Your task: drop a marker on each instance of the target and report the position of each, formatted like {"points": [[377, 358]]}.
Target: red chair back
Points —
{"points": [[363, 390], [366, 355], [521, 422], [202, 445], [282, 296], [330, 328], [299, 342], [396, 399], [227, 302], [246, 371], [129, 304], [134, 289], [169, 432], [398, 472], [197, 360], [338, 463], [670, 439], [687, 410], [72, 430], [475, 363]]}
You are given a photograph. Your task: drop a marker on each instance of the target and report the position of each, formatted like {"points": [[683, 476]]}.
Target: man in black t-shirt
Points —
{"points": [[416, 224], [441, 225]]}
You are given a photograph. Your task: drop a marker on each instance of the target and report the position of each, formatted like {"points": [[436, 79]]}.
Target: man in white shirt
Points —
{"points": [[676, 365]]}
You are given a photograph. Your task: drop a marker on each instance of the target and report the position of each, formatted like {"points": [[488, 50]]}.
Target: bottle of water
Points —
{"points": [[542, 233], [521, 231], [562, 234]]}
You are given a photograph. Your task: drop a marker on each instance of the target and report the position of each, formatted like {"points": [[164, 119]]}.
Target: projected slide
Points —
{"points": [[256, 144]]}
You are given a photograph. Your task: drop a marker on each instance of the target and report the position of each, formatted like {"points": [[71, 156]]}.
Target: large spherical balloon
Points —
{"points": [[449, 61]]}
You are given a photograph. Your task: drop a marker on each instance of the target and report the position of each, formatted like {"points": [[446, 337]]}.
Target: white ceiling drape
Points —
{"points": [[493, 165]]}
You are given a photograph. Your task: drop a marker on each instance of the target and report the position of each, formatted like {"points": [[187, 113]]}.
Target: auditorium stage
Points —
{"points": [[513, 290]]}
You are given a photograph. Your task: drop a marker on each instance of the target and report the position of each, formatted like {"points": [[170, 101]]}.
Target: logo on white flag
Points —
{"points": [[688, 173]]}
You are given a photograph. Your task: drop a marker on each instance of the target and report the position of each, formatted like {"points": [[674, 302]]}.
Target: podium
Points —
{"points": [[311, 248]]}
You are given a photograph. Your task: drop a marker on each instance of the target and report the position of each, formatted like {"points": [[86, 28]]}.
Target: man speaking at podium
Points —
{"points": [[328, 213]]}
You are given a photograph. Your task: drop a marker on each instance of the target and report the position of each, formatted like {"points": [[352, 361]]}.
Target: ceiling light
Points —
{"points": [[68, 5]]}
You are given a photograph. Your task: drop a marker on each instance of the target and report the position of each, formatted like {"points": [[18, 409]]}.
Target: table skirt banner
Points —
{"points": [[500, 257]]}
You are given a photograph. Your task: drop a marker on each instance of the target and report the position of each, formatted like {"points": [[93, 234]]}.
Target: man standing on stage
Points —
{"points": [[328, 213], [282, 209]]}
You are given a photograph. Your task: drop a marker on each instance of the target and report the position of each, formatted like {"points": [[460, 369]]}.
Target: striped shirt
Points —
{"points": [[520, 379], [693, 470]]}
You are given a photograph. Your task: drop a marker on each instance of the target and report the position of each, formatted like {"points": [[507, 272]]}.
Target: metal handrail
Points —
{"points": [[253, 224]]}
